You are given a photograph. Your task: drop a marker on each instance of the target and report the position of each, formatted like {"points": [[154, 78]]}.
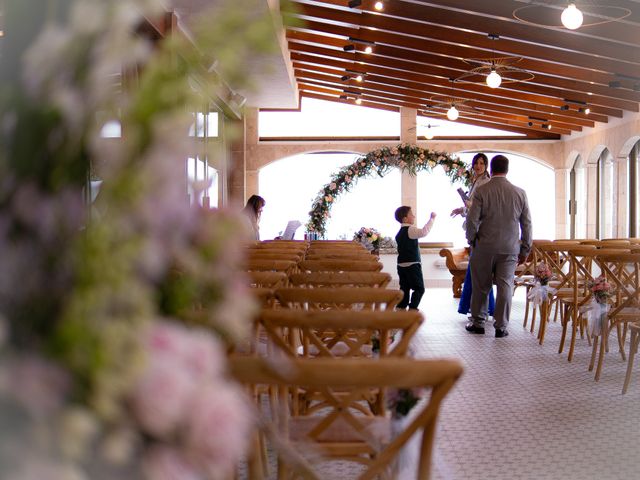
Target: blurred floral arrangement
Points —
{"points": [[408, 158], [369, 237], [113, 315]]}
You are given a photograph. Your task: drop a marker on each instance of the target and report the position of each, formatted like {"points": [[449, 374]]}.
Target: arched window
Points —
{"points": [[634, 184], [435, 193], [290, 185], [606, 206], [577, 200]]}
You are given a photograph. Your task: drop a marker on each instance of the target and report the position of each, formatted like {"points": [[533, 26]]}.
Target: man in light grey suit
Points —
{"points": [[499, 231]]}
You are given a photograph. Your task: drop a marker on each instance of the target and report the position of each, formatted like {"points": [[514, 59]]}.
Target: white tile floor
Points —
{"points": [[521, 411]]}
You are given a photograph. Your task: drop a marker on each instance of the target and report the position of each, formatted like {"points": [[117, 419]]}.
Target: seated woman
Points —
{"points": [[253, 210], [480, 177]]}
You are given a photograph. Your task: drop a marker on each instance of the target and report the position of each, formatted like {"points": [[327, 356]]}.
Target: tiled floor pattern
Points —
{"points": [[521, 411]]}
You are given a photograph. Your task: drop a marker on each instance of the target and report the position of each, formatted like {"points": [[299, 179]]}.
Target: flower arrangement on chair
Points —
{"points": [[542, 273], [597, 309], [369, 237], [541, 291]]}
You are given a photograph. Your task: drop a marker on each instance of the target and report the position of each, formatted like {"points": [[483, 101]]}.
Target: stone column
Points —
{"points": [[592, 198], [252, 184], [562, 203], [236, 165], [621, 172], [409, 184]]}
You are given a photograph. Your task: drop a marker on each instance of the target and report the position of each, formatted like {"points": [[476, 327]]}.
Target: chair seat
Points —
{"points": [[340, 431]]}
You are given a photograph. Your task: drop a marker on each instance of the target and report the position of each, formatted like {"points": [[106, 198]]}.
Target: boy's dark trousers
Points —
{"points": [[411, 279]]}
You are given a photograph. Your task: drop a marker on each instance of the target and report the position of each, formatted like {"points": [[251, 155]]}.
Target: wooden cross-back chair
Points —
{"points": [[328, 254], [266, 254], [622, 271], [340, 279], [286, 266], [267, 279], [340, 298], [339, 334], [341, 265], [339, 432], [567, 283]]}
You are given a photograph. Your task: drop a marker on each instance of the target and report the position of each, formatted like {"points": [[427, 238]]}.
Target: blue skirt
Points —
{"points": [[464, 307]]}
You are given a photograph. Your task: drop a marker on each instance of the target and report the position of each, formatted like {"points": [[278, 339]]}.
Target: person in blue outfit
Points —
{"points": [[409, 264], [481, 176]]}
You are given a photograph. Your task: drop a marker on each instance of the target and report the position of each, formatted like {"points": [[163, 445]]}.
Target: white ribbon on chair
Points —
{"points": [[596, 314], [540, 293]]}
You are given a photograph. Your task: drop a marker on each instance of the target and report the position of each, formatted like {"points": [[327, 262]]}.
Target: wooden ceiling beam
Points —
{"points": [[425, 52], [465, 117], [625, 31], [452, 36], [439, 14], [399, 93], [408, 70]]}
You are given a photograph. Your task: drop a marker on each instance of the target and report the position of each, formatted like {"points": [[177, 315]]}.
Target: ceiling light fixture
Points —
{"points": [[358, 101], [349, 48], [538, 13], [368, 49], [379, 6], [564, 107], [453, 113], [585, 110], [354, 3], [571, 17], [495, 71]]}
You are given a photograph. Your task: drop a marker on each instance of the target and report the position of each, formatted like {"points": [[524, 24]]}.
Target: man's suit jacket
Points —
{"points": [[499, 220]]}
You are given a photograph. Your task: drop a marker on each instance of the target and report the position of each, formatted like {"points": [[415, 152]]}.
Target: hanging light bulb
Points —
{"points": [[359, 78], [429, 134], [358, 101], [452, 113], [494, 79], [571, 17], [368, 49], [379, 6]]}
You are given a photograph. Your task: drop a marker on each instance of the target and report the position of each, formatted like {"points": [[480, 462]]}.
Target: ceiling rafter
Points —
{"points": [[421, 45]]}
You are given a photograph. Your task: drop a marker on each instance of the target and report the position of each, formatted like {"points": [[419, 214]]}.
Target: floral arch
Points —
{"points": [[406, 157]]}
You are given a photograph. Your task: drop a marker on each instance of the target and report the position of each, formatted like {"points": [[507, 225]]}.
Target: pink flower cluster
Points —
{"points": [[601, 289], [200, 421], [542, 273]]}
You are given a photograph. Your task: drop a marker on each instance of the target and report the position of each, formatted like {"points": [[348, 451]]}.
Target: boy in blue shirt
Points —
{"points": [[409, 266]]}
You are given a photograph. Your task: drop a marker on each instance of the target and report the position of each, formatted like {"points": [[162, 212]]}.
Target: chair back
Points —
{"points": [[341, 265], [332, 333], [340, 279], [339, 432], [341, 298]]}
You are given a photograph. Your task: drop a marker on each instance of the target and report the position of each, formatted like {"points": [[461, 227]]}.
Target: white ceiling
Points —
{"points": [[274, 84]]}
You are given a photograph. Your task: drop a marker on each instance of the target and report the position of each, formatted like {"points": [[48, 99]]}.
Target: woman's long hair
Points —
{"points": [[253, 206]]}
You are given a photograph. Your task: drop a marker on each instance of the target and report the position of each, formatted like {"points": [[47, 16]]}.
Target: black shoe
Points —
{"points": [[501, 333], [471, 328]]}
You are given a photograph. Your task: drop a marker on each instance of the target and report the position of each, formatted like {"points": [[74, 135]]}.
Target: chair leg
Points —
{"points": [[544, 317], [574, 331], [526, 310], [594, 352], [621, 341], [603, 343], [563, 321], [533, 319], [633, 348]]}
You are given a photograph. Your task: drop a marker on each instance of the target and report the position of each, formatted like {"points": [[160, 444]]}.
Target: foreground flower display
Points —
{"points": [[406, 157], [113, 315]]}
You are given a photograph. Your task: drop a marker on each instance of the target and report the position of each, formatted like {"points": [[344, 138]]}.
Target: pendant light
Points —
{"points": [[452, 113], [571, 17]]}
